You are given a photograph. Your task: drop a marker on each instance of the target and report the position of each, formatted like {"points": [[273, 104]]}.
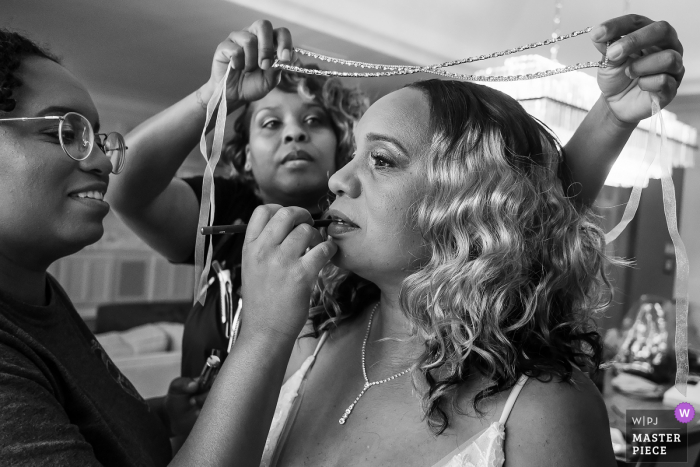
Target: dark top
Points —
{"points": [[234, 202], [62, 400]]}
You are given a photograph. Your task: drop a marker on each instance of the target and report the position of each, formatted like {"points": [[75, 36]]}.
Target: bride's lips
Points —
{"points": [[342, 224]]}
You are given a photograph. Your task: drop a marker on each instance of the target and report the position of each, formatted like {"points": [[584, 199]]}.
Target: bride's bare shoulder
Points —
{"points": [[559, 423]]}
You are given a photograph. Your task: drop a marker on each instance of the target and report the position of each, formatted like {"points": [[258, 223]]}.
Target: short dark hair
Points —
{"points": [[15, 47]]}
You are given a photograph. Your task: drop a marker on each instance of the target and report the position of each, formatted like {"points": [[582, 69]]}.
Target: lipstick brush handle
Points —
{"points": [[240, 228]]}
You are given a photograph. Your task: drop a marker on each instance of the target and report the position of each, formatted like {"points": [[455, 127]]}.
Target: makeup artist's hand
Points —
{"points": [[252, 52], [278, 273], [648, 59], [183, 404]]}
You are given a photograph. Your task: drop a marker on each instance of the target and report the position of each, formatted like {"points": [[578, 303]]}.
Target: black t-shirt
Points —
{"points": [[234, 202], [62, 400]]}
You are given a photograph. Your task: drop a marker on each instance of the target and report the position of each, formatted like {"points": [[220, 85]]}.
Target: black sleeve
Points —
{"points": [[234, 201], [571, 187], [34, 428]]}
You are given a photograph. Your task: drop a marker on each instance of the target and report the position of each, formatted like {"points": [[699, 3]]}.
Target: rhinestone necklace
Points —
{"points": [[368, 385], [393, 70]]}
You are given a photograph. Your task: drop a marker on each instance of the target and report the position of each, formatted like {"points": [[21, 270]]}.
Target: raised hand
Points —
{"points": [[183, 404], [252, 52], [647, 59], [282, 256]]}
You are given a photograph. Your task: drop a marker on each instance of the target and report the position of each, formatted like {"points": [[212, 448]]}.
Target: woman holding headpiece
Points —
{"points": [[293, 131], [455, 324], [62, 400], [289, 139]]}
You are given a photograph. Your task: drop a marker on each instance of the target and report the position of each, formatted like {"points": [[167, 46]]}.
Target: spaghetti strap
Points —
{"points": [[287, 406], [514, 392], [321, 341]]}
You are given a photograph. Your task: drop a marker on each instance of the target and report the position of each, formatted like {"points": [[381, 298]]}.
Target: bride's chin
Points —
{"points": [[339, 260], [344, 260]]}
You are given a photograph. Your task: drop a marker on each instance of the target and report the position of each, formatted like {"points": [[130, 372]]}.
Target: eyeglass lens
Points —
{"points": [[115, 149], [76, 136], [78, 139]]}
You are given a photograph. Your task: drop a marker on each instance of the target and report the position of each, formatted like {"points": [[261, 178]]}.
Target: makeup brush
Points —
{"points": [[240, 228]]}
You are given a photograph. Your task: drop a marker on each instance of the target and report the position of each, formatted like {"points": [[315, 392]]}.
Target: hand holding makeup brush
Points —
{"points": [[278, 272]]}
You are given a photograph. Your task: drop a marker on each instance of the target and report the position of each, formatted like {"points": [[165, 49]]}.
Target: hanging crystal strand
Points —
{"points": [[393, 70], [554, 51]]}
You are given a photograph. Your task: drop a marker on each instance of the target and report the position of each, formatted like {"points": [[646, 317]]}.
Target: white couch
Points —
{"points": [[149, 355]]}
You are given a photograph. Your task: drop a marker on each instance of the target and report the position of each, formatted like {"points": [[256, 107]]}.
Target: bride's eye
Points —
{"points": [[379, 160]]}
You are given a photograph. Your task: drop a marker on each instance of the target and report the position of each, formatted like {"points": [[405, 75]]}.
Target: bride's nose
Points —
{"points": [[345, 181]]}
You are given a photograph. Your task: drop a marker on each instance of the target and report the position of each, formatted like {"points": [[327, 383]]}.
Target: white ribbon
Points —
{"points": [[641, 178], [206, 208], [669, 199], [682, 265]]}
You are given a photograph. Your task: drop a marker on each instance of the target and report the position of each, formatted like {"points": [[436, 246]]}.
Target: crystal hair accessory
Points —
{"points": [[394, 70]]}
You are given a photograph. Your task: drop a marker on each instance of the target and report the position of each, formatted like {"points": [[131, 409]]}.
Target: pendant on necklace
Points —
{"points": [[348, 411], [368, 385]]}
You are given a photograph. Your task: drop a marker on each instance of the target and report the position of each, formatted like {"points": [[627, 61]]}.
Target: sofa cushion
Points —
{"points": [[142, 340]]}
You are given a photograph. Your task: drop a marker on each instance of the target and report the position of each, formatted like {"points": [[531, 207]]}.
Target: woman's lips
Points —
{"points": [[96, 204], [297, 163], [297, 158], [341, 224], [337, 229]]}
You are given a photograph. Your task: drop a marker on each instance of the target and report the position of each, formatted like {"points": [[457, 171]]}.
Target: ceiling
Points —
{"points": [[138, 56]]}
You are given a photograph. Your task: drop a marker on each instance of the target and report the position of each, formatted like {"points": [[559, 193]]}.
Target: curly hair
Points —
{"points": [[515, 271], [344, 105], [14, 47]]}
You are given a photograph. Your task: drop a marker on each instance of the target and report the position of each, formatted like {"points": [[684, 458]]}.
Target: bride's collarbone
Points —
{"points": [[385, 429], [387, 423]]}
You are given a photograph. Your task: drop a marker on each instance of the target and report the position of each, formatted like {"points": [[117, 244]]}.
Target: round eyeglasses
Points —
{"points": [[77, 138]]}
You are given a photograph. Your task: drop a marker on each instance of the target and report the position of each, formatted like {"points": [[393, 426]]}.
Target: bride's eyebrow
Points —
{"points": [[372, 137]]}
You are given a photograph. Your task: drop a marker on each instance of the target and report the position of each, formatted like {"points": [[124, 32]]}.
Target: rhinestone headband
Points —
{"points": [[394, 70]]}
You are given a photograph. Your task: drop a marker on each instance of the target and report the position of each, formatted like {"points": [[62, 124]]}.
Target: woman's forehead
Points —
{"points": [[284, 101], [403, 115], [47, 84]]}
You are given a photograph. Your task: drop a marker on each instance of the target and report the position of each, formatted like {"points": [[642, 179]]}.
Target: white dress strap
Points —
{"points": [[287, 407], [514, 392], [321, 341]]}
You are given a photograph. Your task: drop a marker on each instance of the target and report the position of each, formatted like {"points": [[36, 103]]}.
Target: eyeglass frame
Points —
{"points": [[97, 137]]}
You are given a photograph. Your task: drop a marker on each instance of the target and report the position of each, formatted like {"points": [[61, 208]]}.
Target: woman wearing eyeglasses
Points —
{"points": [[62, 400]]}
